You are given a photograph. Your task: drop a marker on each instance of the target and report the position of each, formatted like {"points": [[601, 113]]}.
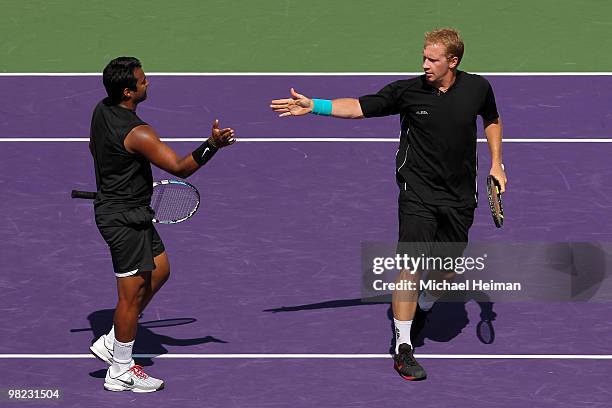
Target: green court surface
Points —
{"points": [[302, 36]]}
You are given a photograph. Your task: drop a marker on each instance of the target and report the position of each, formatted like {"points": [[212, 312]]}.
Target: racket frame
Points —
{"points": [[498, 221], [182, 183]]}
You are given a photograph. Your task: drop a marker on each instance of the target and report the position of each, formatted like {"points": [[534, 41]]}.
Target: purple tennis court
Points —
{"points": [[263, 307]]}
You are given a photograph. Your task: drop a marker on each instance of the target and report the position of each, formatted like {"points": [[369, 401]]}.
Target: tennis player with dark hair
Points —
{"points": [[436, 163], [123, 148]]}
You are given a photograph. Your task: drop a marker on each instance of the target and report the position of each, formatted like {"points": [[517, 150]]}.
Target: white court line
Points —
{"points": [[257, 74], [310, 139], [328, 356]]}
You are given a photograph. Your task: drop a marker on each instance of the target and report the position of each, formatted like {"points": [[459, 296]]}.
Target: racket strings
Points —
{"points": [[173, 202], [495, 199]]}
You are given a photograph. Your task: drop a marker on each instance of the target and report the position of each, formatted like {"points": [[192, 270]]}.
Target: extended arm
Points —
{"points": [[298, 105], [144, 140]]}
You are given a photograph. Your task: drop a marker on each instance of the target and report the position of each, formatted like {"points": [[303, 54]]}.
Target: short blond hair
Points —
{"points": [[449, 37]]}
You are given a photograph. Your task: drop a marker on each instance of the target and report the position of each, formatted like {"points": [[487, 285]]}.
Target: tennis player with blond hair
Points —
{"points": [[436, 163]]}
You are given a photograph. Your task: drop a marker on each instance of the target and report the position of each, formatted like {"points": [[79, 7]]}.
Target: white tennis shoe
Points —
{"points": [[100, 350], [134, 379]]}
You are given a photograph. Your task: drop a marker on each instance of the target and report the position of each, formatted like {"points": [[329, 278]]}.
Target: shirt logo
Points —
{"points": [[422, 112]]}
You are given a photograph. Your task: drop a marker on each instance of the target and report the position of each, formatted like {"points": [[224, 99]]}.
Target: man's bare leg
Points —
{"points": [[131, 291], [404, 306], [159, 277]]}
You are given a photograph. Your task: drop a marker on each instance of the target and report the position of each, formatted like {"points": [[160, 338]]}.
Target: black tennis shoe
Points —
{"points": [[406, 365]]}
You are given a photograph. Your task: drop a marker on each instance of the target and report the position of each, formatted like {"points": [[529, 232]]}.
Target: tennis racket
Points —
{"points": [[495, 201], [173, 201]]}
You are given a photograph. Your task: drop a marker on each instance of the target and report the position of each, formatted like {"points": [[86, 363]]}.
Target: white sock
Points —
{"points": [[426, 300], [109, 340], [122, 357], [402, 333]]}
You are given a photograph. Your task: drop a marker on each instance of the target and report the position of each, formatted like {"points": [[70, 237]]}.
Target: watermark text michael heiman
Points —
{"points": [[433, 285]]}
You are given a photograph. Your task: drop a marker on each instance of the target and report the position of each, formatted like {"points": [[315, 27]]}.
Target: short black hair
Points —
{"points": [[118, 75]]}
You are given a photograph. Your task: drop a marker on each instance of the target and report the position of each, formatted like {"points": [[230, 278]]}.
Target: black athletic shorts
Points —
{"points": [[423, 223], [132, 240]]}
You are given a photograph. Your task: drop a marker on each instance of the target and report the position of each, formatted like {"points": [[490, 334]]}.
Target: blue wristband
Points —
{"points": [[322, 107]]}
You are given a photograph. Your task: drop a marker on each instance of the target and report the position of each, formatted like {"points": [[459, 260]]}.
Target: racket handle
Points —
{"points": [[88, 195]]}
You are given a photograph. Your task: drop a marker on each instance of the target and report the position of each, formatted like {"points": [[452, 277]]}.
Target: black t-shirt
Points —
{"points": [[124, 180], [436, 159]]}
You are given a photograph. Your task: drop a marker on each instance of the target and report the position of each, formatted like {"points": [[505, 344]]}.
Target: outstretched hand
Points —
{"points": [[221, 137], [297, 105]]}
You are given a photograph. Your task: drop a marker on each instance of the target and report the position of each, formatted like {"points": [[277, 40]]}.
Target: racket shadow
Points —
{"points": [[449, 317]]}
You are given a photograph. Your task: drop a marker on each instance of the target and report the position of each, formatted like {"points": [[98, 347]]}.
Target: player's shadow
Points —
{"points": [[444, 322], [147, 342]]}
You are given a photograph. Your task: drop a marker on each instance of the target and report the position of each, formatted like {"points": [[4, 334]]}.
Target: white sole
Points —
{"points": [[118, 388]]}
